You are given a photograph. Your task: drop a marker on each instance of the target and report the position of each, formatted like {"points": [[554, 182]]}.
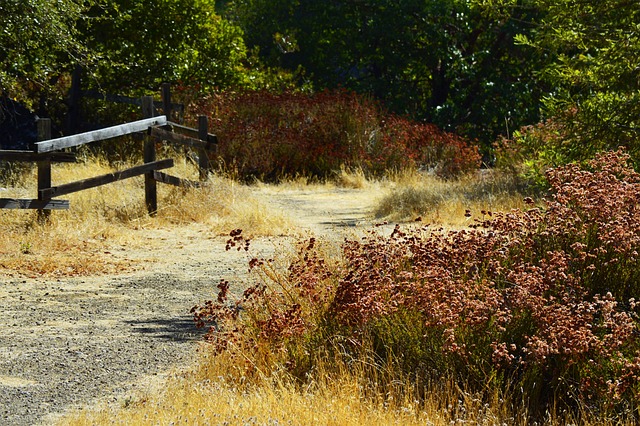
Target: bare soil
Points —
{"points": [[70, 342]]}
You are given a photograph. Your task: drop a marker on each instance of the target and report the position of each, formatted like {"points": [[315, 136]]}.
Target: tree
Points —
{"points": [[38, 41], [597, 72], [144, 43], [444, 61]]}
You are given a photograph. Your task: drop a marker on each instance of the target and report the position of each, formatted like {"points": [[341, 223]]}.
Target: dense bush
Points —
{"points": [[532, 150], [537, 305], [269, 136]]}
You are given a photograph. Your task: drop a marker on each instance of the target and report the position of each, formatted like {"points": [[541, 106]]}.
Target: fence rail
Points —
{"points": [[99, 135], [47, 151]]}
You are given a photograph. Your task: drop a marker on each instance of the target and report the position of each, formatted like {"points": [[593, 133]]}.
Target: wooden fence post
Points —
{"points": [[166, 100], [44, 166], [149, 155], [203, 157]]}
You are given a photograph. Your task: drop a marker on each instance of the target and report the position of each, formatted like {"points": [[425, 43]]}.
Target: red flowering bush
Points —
{"points": [[540, 305], [405, 143], [271, 136]]}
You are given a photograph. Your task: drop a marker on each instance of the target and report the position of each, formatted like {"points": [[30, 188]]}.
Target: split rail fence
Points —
{"points": [[158, 128]]}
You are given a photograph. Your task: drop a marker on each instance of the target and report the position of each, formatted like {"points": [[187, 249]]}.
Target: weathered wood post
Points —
{"points": [[166, 100], [44, 167], [149, 155], [203, 157]]}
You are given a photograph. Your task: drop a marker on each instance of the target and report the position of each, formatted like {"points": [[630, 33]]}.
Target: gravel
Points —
{"points": [[67, 342], [71, 342]]}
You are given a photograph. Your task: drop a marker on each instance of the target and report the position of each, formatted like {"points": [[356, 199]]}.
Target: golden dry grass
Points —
{"points": [[218, 392], [410, 195], [75, 241], [195, 398]]}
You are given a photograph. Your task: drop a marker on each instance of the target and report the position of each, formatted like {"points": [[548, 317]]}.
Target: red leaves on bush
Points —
{"points": [[271, 136]]}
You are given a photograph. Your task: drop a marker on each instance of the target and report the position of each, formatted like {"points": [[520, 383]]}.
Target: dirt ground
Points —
{"points": [[70, 342]]}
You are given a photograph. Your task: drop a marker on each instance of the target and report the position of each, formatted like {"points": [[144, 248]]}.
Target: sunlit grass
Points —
{"points": [[410, 195], [216, 392], [73, 241]]}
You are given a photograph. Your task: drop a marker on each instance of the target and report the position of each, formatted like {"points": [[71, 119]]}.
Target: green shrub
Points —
{"points": [[534, 149]]}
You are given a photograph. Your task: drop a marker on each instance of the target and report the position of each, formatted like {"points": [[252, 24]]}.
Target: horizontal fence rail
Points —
{"points": [[95, 94], [168, 136], [30, 156], [10, 203], [99, 135], [157, 128], [93, 182]]}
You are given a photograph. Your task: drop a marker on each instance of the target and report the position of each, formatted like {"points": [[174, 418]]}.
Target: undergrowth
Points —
{"points": [[534, 307], [268, 136]]}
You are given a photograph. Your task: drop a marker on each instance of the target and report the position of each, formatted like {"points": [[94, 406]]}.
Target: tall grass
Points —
{"points": [[411, 194], [212, 394]]}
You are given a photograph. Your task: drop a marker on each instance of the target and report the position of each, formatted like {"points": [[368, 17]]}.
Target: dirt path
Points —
{"points": [[67, 342]]}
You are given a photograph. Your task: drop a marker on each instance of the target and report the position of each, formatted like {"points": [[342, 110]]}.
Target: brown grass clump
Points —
{"points": [[412, 194]]}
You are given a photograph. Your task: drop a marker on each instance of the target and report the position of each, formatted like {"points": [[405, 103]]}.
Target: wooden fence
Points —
{"points": [[47, 151]]}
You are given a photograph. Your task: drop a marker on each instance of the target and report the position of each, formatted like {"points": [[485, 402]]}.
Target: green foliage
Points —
{"points": [[270, 136], [596, 74], [534, 149], [142, 44], [539, 305], [38, 42], [445, 62]]}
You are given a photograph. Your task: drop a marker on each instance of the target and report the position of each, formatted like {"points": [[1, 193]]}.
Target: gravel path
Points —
{"points": [[68, 342]]}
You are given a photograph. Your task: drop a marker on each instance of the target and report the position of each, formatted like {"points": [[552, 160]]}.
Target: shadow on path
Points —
{"points": [[174, 329]]}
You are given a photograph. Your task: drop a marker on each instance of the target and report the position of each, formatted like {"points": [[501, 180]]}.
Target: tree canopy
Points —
{"points": [[444, 61], [38, 42], [597, 72], [481, 68], [144, 43]]}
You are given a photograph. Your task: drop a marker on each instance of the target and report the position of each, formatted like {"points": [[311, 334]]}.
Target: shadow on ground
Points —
{"points": [[174, 329]]}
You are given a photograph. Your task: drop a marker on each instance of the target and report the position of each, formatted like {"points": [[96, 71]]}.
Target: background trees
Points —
{"points": [[476, 67], [446, 61], [596, 77], [38, 42], [141, 44]]}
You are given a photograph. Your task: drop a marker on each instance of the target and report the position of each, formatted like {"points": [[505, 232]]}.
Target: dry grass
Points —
{"points": [[218, 391], [78, 241], [215, 393], [411, 195]]}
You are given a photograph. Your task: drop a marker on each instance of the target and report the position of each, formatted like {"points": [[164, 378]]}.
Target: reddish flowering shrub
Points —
{"points": [[539, 304], [269, 136], [404, 143]]}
